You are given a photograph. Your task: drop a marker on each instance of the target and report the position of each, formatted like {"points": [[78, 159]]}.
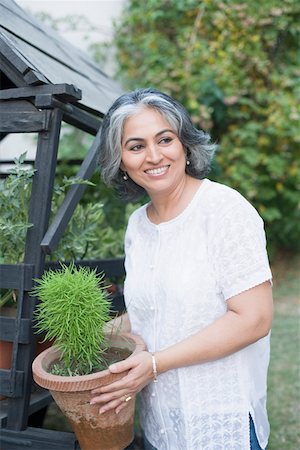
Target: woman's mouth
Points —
{"points": [[157, 171]]}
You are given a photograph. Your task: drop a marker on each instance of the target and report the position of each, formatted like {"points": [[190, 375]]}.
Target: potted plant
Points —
{"points": [[73, 311]]}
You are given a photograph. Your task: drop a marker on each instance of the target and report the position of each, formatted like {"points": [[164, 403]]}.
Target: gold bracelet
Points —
{"points": [[154, 369]]}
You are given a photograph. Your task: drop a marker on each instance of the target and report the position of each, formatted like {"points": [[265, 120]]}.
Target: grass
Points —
{"points": [[284, 371]]}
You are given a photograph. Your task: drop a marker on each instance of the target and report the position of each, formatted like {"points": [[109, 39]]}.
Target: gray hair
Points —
{"points": [[197, 143]]}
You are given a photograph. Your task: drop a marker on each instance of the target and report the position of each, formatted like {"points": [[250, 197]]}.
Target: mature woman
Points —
{"points": [[197, 286]]}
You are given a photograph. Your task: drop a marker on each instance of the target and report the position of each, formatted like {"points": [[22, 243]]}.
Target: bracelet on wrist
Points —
{"points": [[154, 368]]}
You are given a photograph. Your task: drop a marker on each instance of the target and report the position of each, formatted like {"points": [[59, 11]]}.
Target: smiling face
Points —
{"points": [[152, 154]]}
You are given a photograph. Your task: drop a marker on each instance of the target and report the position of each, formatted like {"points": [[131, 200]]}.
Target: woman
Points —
{"points": [[197, 285]]}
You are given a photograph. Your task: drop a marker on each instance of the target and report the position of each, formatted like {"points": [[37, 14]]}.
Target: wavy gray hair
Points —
{"points": [[197, 143]]}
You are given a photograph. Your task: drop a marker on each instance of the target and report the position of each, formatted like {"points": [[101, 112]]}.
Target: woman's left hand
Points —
{"points": [[138, 373]]}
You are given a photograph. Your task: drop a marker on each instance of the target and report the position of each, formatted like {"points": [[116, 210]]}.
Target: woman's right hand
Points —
{"points": [[138, 372]]}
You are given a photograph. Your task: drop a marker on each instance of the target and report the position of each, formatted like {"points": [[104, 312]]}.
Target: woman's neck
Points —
{"points": [[165, 207]]}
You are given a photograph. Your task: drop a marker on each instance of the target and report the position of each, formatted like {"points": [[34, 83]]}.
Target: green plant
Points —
{"points": [[14, 196], [73, 311], [95, 230], [87, 235], [235, 66]]}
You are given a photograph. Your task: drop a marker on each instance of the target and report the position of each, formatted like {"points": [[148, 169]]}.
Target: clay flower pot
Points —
{"points": [[108, 431]]}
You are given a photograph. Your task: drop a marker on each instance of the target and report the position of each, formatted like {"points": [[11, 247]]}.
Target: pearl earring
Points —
{"points": [[188, 162], [125, 177]]}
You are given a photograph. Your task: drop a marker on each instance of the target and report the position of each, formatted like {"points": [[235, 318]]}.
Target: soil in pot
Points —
{"points": [[111, 355]]}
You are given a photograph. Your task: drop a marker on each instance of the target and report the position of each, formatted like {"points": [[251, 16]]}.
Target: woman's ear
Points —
{"points": [[122, 167]]}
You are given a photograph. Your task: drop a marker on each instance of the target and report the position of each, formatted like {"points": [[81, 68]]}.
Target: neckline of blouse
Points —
{"points": [[180, 216]]}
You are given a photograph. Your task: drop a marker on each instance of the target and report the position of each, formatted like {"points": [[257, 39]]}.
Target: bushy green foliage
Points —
{"points": [[107, 231], [87, 235], [14, 195], [72, 311], [235, 66]]}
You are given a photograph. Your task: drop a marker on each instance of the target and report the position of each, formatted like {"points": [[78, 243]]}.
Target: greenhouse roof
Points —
{"points": [[34, 54]]}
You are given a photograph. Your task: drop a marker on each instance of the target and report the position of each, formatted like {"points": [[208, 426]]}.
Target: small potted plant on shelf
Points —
{"points": [[73, 311]]}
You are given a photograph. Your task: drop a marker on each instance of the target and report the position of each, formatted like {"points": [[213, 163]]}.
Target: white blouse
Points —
{"points": [[179, 275]]}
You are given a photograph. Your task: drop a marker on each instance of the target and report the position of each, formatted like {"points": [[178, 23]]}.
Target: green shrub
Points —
{"points": [[88, 234], [73, 311], [15, 192], [235, 66]]}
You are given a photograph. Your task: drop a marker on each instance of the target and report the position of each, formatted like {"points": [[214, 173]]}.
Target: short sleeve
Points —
{"points": [[239, 251]]}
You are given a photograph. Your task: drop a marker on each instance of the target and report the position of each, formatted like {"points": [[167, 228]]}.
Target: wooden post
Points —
{"points": [[39, 212]]}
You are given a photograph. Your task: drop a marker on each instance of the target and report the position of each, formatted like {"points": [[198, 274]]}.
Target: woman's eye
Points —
{"points": [[136, 147], [165, 140]]}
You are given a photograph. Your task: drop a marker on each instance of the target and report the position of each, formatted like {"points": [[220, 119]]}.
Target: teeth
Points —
{"points": [[157, 171]]}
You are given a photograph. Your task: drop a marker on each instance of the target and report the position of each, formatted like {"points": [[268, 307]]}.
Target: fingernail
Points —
{"points": [[92, 402], [113, 366]]}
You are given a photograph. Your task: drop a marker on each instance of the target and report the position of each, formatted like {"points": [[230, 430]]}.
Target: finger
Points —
{"points": [[120, 407], [105, 398], [117, 404], [111, 405], [115, 386], [122, 366]]}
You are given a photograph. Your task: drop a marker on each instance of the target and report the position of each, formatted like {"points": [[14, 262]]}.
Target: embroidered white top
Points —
{"points": [[179, 275]]}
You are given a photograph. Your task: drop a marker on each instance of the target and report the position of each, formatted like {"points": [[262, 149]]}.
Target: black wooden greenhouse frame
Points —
{"points": [[31, 102]]}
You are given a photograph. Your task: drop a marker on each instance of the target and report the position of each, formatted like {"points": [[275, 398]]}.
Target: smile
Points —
{"points": [[158, 171]]}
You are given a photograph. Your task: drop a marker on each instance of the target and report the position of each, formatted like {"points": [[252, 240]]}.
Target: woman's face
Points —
{"points": [[152, 154]]}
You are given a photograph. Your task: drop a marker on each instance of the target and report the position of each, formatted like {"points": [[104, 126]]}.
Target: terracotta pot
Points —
{"points": [[5, 354], [94, 431]]}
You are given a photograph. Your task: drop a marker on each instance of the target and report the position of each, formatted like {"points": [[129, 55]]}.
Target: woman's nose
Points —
{"points": [[154, 154]]}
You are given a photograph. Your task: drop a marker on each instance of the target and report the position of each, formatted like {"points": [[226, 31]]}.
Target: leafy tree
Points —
{"points": [[235, 66]]}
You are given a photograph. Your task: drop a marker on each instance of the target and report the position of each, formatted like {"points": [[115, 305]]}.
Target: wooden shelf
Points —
{"points": [[38, 439], [38, 400]]}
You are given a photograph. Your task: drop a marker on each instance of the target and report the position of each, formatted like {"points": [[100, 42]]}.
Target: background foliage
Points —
{"points": [[235, 66], [107, 230], [88, 235]]}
